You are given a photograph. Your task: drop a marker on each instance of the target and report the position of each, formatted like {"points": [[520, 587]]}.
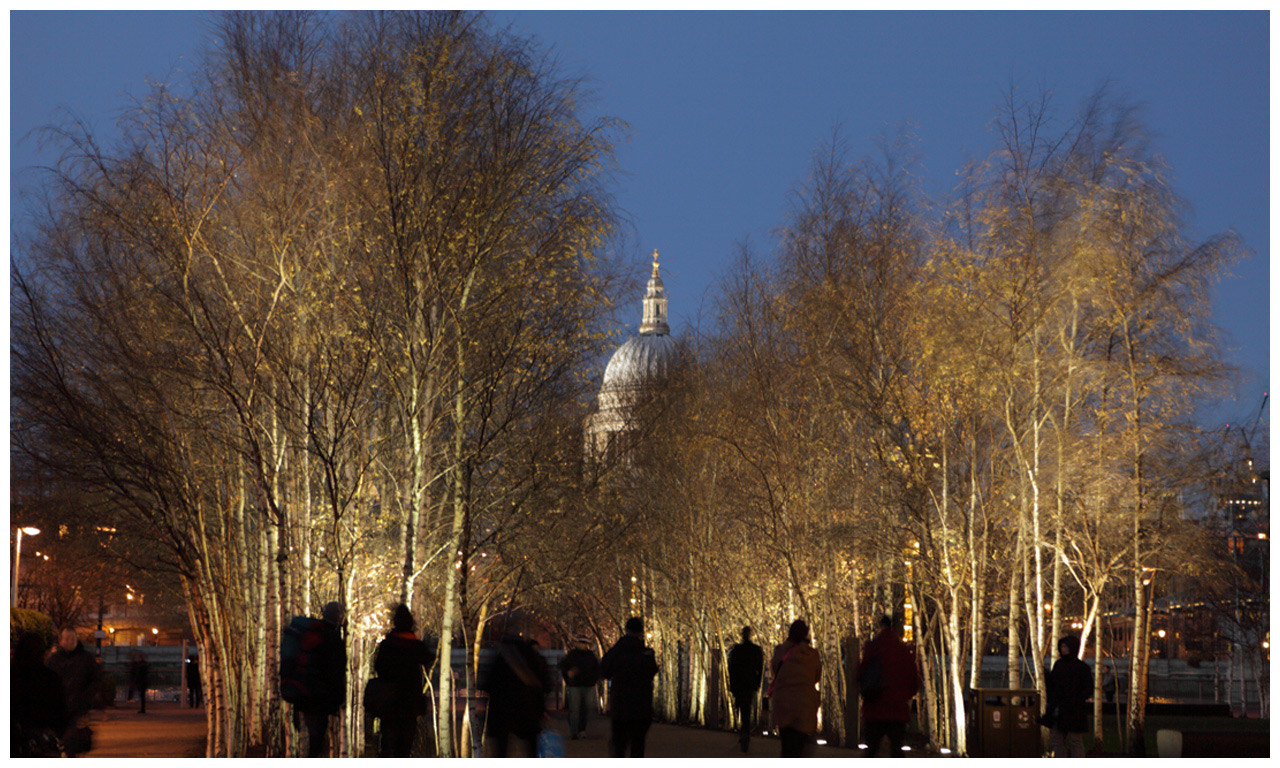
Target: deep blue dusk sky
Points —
{"points": [[725, 109]]}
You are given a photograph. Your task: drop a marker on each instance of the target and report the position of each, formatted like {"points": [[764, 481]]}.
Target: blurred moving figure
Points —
{"points": [[581, 671], [80, 675]]}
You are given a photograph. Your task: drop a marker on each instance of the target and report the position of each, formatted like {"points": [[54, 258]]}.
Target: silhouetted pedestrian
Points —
{"points": [[581, 671], [38, 712], [195, 687], [793, 695], [887, 679], [313, 673], [80, 676], [401, 660], [139, 679], [517, 684], [630, 667], [746, 668], [1069, 686]]}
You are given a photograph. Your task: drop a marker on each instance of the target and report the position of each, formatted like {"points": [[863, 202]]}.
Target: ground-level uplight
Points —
{"points": [[944, 751]]}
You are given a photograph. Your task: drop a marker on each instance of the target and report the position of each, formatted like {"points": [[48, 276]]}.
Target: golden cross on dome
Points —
{"points": [[655, 262]]}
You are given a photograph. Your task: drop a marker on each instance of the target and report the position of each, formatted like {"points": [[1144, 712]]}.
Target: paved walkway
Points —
{"points": [[678, 741], [167, 730]]}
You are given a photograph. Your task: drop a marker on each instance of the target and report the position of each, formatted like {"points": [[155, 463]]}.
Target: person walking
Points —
{"points": [[887, 679], [630, 667], [517, 684], [581, 671], [313, 673], [746, 668], [38, 712], [793, 693], [139, 679], [400, 663], [1069, 687], [80, 675]]}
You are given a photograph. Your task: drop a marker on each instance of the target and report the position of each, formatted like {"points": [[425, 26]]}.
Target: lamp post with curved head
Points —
{"points": [[17, 559]]}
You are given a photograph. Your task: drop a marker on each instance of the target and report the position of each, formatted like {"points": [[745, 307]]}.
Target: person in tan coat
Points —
{"points": [[793, 694]]}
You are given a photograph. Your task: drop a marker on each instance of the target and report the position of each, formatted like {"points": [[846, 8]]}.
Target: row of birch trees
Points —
{"points": [[314, 329], [975, 415]]}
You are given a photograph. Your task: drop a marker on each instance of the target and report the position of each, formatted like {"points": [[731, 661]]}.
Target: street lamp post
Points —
{"points": [[17, 560]]}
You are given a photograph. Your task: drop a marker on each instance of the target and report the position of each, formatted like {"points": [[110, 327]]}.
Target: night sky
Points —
{"points": [[725, 109]]}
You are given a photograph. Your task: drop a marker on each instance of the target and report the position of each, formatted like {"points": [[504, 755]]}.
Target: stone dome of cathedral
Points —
{"points": [[640, 362], [642, 359]]}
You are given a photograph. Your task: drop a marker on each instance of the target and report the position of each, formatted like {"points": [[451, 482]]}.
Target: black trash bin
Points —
{"points": [[1003, 722]]}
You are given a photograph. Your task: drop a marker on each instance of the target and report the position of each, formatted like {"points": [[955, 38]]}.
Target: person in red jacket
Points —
{"points": [[887, 679]]}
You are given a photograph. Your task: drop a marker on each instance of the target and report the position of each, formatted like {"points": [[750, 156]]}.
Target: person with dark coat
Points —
{"points": [[330, 692], [630, 667], [195, 688], [746, 669], [401, 660], [580, 670], [139, 679], [38, 712], [1069, 687], [517, 684], [888, 680], [80, 676], [793, 694]]}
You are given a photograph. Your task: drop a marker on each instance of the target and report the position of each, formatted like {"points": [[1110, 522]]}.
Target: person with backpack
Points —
{"points": [[313, 672], [580, 670], [400, 663], [630, 667], [887, 681], [746, 668], [517, 684], [793, 693]]}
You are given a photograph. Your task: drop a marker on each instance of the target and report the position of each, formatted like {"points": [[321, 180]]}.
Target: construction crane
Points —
{"points": [[1253, 430]]}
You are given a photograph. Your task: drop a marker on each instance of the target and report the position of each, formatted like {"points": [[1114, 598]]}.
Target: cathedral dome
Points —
{"points": [[642, 359], [641, 363]]}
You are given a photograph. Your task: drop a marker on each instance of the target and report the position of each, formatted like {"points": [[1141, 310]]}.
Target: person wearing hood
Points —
{"points": [[630, 667], [400, 663], [793, 695], [1070, 684]]}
